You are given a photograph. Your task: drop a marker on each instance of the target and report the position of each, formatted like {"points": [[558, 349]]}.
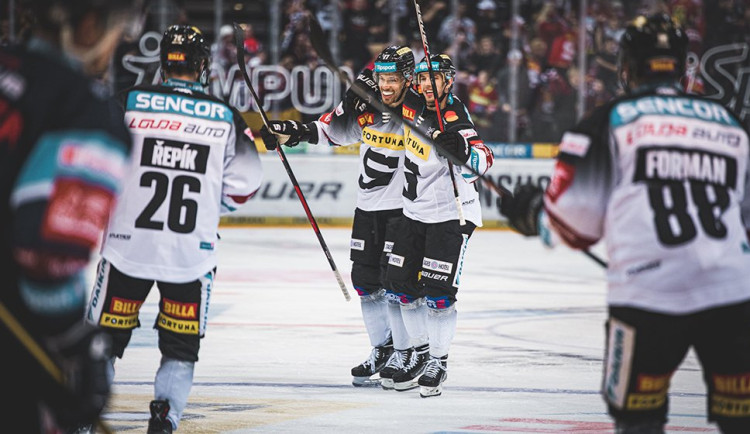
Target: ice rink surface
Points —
{"points": [[281, 340]]}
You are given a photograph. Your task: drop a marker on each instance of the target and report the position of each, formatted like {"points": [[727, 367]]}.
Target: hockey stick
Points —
{"points": [[317, 39], [438, 111], [40, 355], [243, 67]]}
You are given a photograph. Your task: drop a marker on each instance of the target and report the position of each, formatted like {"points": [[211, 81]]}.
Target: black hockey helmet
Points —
{"points": [[396, 58], [183, 49], [652, 48], [441, 63]]}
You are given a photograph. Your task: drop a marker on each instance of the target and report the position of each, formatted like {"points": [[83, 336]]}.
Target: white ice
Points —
{"points": [[281, 340]]}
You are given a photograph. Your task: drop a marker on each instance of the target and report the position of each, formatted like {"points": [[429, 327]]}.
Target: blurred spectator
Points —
{"points": [[487, 22], [483, 102], [224, 51], [515, 59], [487, 56], [357, 20], [605, 63], [536, 60], [457, 22]]}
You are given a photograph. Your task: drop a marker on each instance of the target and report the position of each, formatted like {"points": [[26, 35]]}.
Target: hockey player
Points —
{"points": [[62, 158], [193, 160], [426, 261], [379, 199], [662, 178]]}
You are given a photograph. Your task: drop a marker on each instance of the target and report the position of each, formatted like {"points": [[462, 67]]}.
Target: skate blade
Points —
{"points": [[365, 382], [407, 385], [427, 392], [386, 383]]}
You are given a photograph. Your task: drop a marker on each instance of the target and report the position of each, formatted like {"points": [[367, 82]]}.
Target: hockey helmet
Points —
{"points": [[652, 48], [184, 50], [441, 63], [395, 59]]}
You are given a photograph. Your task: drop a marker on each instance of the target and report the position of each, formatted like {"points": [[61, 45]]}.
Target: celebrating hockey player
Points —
{"points": [[425, 264], [662, 178], [62, 158], [379, 199], [193, 160]]}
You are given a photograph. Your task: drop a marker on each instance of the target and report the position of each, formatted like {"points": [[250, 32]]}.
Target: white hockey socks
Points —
{"points": [[398, 329], [441, 326], [375, 316], [415, 320], [173, 382]]}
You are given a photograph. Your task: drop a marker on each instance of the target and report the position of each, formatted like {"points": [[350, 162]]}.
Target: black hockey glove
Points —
{"points": [[287, 133], [83, 355], [522, 210], [451, 143], [366, 83]]}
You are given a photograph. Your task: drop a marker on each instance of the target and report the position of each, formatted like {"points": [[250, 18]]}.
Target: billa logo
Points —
{"points": [[176, 57], [451, 116], [408, 113], [365, 119]]}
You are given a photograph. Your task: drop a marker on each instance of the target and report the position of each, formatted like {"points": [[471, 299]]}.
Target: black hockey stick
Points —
{"points": [[40, 355], [317, 39], [243, 68], [438, 111]]}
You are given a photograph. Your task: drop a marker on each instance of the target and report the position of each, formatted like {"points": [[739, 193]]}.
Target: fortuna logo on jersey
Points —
{"points": [[382, 140], [170, 154], [415, 146]]}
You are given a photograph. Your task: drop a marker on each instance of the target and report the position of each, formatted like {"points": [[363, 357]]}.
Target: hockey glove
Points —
{"points": [[366, 83], [83, 355], [451, 143], [522, 210], [287, 133]]}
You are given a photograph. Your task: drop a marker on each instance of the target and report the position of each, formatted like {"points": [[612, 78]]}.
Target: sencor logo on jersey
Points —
{"points": [[170, 154], [157, 102]]}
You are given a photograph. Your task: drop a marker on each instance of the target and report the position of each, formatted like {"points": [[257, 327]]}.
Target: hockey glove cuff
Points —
{"points": [[366, 84], [288, 133], [452, 143], [522, 210]]}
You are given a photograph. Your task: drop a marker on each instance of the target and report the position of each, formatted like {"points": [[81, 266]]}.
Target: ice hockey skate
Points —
{"points": [[435, 373], [159, 423], [406, 378], [363, 372], [395, 363]]}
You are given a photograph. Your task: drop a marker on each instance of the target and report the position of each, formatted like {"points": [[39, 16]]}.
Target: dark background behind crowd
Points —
{"points": [[477, 34]]}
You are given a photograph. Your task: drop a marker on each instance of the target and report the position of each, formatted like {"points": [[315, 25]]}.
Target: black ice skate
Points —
{"points": [[374, 364], [159, 423], [395, 364], [431, 382], [406, 378]]}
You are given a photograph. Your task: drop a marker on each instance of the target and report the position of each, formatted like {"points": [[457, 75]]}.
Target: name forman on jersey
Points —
{"points": [[662, 173], [427, 188], [193, 161]]}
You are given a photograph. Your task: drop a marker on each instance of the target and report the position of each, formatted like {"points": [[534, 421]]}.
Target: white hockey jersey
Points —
{"points": [[381, 150], [661, 177], [428, 189], [193, 159]]}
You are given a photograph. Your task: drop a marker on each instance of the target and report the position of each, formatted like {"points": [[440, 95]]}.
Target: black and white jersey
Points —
{"points": [[381, 153], [428, 189], [193, 160], [661, 177]]}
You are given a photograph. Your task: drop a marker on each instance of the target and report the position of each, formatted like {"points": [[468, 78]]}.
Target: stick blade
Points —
{"points": [[318, 41]]}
